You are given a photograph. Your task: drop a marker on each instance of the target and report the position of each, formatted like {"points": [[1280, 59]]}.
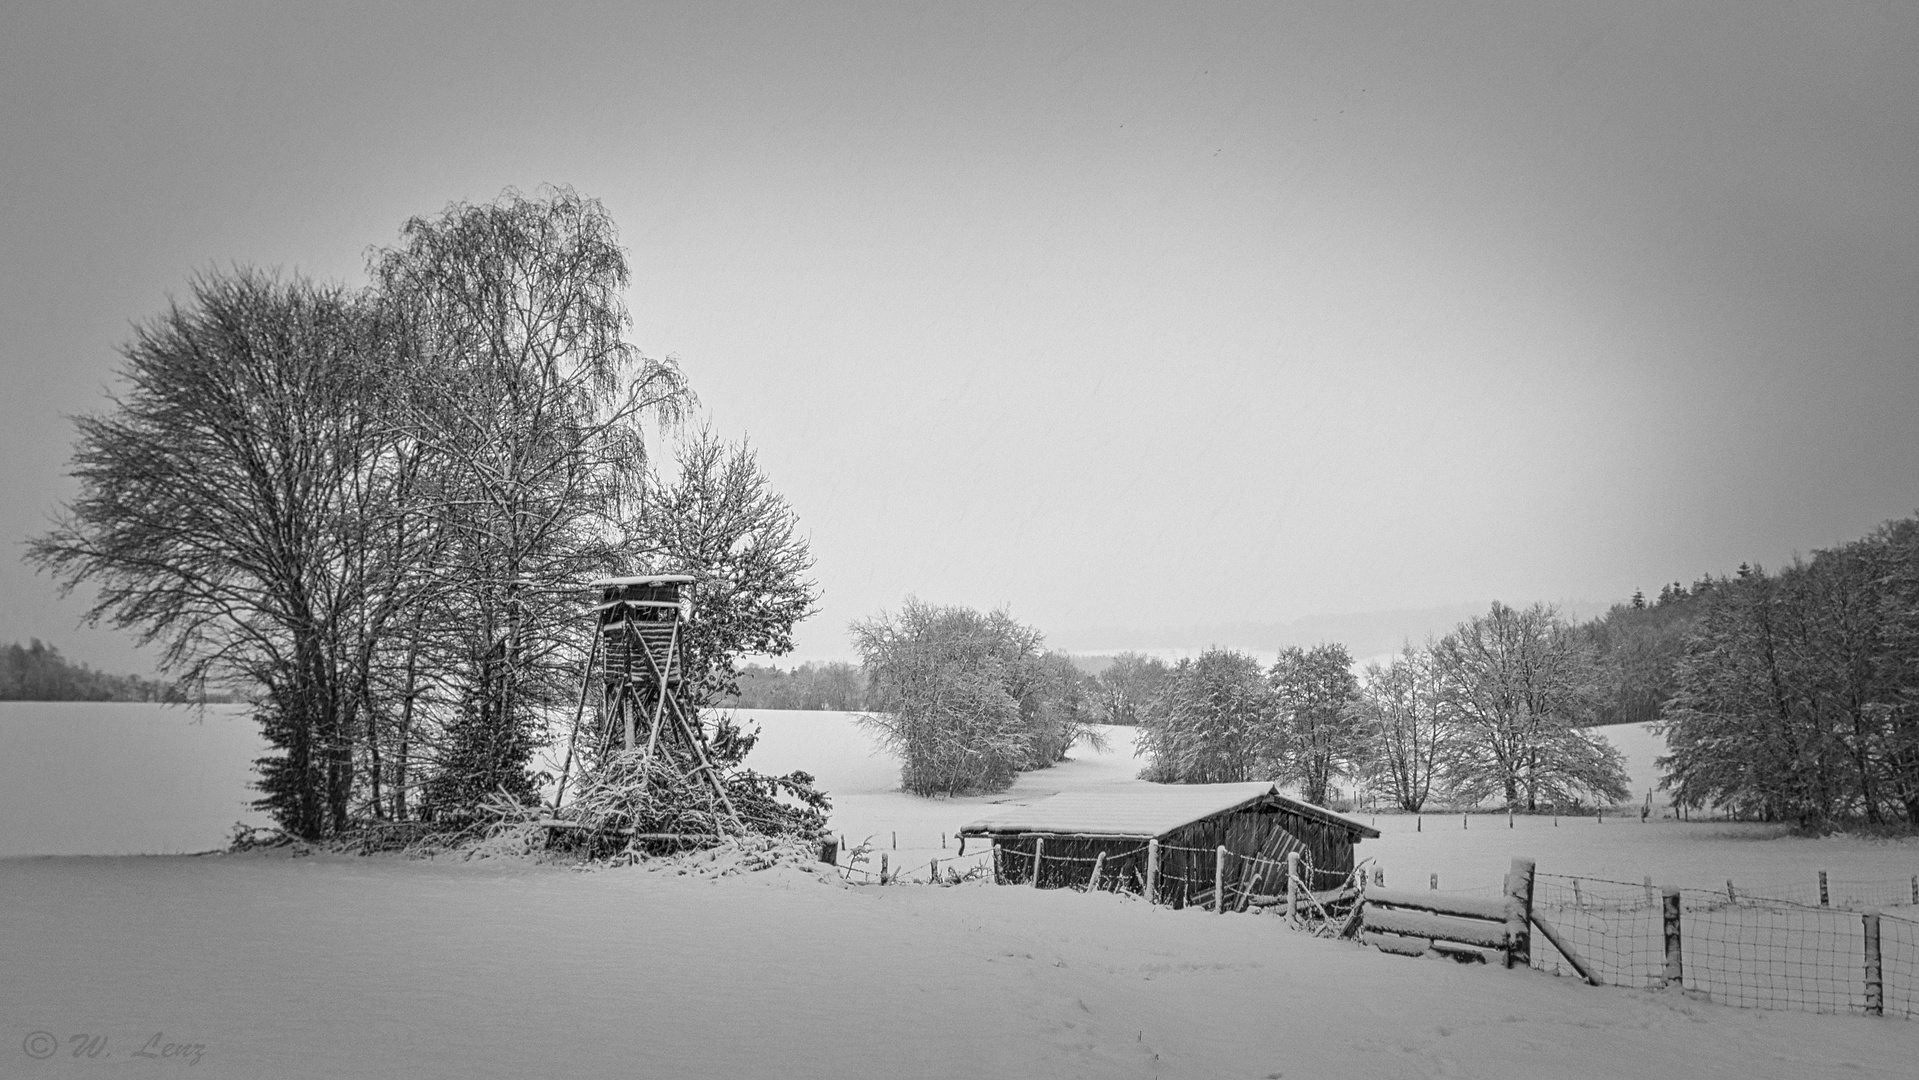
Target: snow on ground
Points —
{"points": [[340, 967], [327, 966]]}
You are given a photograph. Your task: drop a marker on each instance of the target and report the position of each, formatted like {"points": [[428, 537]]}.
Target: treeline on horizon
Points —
{"points": [[37, 672], [1637, 644], [1787, 696]]}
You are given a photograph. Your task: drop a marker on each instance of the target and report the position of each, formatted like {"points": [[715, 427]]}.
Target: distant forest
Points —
{"points": [[37, 672], [833, 686]]}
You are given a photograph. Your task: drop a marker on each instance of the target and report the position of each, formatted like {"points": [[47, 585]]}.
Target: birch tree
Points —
{"points": [[532, 405], [1403, 713]]}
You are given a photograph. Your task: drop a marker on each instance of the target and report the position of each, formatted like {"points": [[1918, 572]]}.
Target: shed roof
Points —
{"points": [[1145, 810]]}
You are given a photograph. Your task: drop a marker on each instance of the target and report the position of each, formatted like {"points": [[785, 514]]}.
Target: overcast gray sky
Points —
{"points": [[1126, 317]]}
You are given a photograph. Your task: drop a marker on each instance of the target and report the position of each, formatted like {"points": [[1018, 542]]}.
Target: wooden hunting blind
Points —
{"points": [[640, 637], [640, 623], [1069, 839]]}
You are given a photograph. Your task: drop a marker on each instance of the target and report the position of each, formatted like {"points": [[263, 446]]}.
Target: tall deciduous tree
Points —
{"points": [[1401, 708], [219, 499], [1523, 688], [946, 686], [1126, 689], [1314, 691], [1213, 722], [531, 403], [717, 518]]}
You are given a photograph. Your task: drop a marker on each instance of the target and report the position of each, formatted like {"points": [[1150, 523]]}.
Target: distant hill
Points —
{"points": [[37, 672]]}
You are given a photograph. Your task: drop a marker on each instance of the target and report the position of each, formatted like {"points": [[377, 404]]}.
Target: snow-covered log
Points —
{"points": [[1439, 903], [1429, 925], [1396, 943]]}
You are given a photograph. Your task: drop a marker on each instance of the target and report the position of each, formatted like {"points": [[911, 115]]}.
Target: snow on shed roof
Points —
{"points": [[640, 579], [1142, 809]]}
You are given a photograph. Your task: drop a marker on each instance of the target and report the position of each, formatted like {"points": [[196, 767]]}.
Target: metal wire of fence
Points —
{"points": [[1614, 925], [1739, 947], [1899, 959], [1766, 946], [1769, 954]]}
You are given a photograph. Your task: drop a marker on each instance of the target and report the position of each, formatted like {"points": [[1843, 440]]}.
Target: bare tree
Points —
{"points": [[531, 405], [1213, 722], [719, 519], [219, 502], [1523, 687], [1125, 690], [1402, 712], [1314, 691], [947, 684]]}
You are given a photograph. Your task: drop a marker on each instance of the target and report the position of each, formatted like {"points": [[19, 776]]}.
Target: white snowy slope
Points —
{"points": [[341, 967]]}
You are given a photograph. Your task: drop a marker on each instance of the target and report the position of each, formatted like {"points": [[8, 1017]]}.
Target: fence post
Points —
{"points": [[1379, 876], [1875, 984], [1099, 866], [882, 868], [1731, 896], [1152, 871], [1519, 914], [934, 869], [1824, 899], [1292, 889], [1219, 880], [1039, 851], [1675, 963], [1435, 882], [1915, 889]]}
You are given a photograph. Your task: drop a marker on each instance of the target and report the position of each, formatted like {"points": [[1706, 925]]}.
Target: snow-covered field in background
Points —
{"points": [[864, 782], [327, 966], [91, 778]]}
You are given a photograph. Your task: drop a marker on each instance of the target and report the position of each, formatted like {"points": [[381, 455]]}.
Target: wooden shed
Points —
{"points": [[1068, 838]]}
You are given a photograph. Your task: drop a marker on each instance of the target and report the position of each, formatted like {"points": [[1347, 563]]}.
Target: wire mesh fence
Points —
{"points": [[1769, 954], [1899, 960], [1739, 947], [1615, 926], [1770, 945]]}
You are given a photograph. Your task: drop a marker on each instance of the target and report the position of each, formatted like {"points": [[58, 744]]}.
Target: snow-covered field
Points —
{"points": [[88, 778], [323, 966]]}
